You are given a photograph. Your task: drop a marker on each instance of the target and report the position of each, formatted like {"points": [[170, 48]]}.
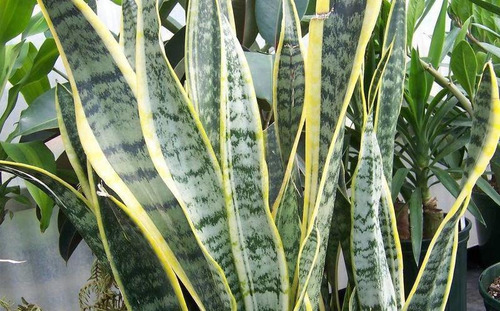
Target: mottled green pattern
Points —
{"points": [[203, 65], [480, 121], [391, 89], [258, 250], [72, 206], [101, 85], [290, 83], [67, 106], [274, 164], [194, 170], [371, 273], [308, 257], [129, 23], [144, 283], [340, 40], [288, 224]]}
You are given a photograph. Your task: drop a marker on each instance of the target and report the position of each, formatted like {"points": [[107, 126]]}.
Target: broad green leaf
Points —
{"points": [[449, 41], [245, 21], [416, 87], [36, 25], [489, 6], [181, 152], [69, 238], [464, 66], [416, 223], [39, 116], [8, 56], [462, 8], [116, 148], [371, 272], [487, 29], [463, 32], [76, 208], [144, 282], [269, 14], [242, 151], [288, 91], [415, 10], [36, 154], [432, 286], [438, 36], [490, 48], [14, 18], [43, 62], [261, 68]]}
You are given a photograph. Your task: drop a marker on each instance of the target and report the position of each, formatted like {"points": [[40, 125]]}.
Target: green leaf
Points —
{"points": [[261, 68], [490, 48], [8, 57], [415, 10], [416, 223], [462, 35], [462, 8], [36, 25], [39, 116], [485, 186], [269, 15], [464, 66], [69, 238], [489, 6], [398, 181], [36, 154], [14, 18], [416, 87], [43, 62], [128, 32], [438, 36]]}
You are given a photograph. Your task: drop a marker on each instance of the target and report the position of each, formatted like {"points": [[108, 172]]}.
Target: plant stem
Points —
{"points": [[441, 80]]}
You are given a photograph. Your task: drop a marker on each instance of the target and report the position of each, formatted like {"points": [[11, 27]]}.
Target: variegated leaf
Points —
{"points": [[257, 248], [288, 92], [432, 286], [203, 66], [128, 29], [371, 272], [66, 118], [180, 150], [139, 273], [101, 76]]}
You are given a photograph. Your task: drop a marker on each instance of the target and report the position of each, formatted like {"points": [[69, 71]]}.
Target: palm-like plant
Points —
{"points": [[175, 182]]}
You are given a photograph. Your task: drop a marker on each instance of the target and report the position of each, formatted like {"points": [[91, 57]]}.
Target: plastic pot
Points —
{"points": [[485, 279], [457, 300]]}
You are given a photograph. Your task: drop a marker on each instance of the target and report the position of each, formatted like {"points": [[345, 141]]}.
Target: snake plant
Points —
{"points": [[193, 205]]}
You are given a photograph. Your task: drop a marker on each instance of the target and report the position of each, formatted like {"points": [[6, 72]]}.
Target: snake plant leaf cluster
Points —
{"points": [[193, 205]]}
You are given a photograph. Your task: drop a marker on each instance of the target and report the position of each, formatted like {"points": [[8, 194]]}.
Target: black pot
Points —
{"points": [[489, 235], [457, 300], [485, 279]]}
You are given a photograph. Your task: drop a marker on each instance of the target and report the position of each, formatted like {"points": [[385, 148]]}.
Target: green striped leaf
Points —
{"points": [[203, 66], [257, 248], [139, 273], [391, 89], [181, 152], [128, 30], [288, 92], [76, 208], [371, 272], [101, 77], [66, 118], [432, 286]]}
